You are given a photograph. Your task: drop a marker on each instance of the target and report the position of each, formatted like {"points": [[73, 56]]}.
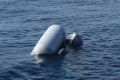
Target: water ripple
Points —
{"points": [[22, 23]]}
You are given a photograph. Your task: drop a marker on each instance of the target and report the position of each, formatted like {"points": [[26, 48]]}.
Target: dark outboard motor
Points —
{"points": [[74, 40]]}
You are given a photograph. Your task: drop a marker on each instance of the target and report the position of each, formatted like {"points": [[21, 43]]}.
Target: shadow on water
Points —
{"points": [[50, 68], [46, 58]]}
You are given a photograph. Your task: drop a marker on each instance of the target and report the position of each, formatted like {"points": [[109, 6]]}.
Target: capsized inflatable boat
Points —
{"points": [[51, 41], [54, 41]]}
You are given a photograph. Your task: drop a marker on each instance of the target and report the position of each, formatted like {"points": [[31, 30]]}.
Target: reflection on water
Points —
{"points": [[46, 58], [50, 68]]}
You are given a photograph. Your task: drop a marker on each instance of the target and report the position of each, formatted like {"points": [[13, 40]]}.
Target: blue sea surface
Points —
{"points": [[22, 23]]}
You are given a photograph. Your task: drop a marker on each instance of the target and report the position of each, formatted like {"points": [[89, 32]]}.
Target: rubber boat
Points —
{"points": [[54, 41], [51, 41]]}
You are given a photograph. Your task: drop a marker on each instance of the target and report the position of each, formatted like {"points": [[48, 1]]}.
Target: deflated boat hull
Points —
{"points": [[50, 41]]}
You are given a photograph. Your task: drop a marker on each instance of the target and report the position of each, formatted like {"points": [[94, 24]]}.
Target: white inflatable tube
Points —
{"points": [[50, 41]]}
